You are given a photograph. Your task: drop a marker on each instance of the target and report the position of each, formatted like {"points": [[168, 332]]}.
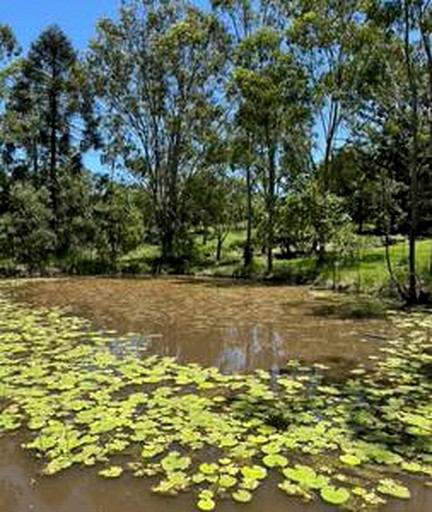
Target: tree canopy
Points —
{"points": [[295, 123]]}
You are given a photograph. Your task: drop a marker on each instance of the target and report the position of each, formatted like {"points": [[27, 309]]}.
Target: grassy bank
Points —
{"points": [[364, 271]]}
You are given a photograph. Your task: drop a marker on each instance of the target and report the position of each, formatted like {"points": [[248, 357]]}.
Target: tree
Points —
{"points": [[353, 176], [25, 233], [8, 43], [216, 202], [8, 49], [157, 73], [240, 18], [273, 97], [341, 51], [118, 220], [49, 112], [311, 221], [399, 106]]}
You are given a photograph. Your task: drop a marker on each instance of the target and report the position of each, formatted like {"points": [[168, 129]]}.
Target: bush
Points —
{"points": [[26, 235]]}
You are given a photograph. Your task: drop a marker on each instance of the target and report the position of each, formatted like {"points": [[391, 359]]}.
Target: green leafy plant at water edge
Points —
{"points": [[86, 398]]}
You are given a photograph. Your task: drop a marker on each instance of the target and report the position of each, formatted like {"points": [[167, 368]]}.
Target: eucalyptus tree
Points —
{"points": [[157, 71], [240, 18], [340, 48], [273, 106], [398, 108], [417, 23]]}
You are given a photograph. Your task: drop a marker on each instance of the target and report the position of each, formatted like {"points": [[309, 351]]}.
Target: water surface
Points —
{"points": [[232, 326], [235, 327]]}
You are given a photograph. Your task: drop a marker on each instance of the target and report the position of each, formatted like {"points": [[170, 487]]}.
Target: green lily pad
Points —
{"points": [[392, 488], [350, 459], [275, 460], [111, 472], [242, 496], [206, 505], [227, 481], [335, 496], [254, 472]]}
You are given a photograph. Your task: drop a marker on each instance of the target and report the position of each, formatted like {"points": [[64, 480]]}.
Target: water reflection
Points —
{"points": [[252, 347], [235, 328]]}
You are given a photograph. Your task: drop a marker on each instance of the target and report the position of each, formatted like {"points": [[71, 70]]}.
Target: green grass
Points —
{"points": [[366, 272], [369, 272]]}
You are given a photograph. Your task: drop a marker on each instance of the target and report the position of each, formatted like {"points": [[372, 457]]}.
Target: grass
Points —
{"points": [[369, 273], [366, 272]]}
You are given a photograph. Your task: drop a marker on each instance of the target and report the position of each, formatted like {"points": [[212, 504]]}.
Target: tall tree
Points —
{"points": [[338, 46], [273, 97], [8, 49], [50, 111], [398, 107], [240, 19], [8, 42], [157, 72]]}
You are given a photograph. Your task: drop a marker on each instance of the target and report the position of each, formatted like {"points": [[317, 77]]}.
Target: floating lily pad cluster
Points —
{"points": [[86, 398]]}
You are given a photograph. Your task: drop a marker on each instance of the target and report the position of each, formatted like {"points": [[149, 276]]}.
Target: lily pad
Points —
{"points": [[335, 496], [242, 496]]}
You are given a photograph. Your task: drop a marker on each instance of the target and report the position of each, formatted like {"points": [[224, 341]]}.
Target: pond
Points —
{"points": [[235, 328]]}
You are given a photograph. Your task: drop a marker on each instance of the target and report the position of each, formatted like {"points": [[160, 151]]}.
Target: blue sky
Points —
{"points": [[77, 18]]}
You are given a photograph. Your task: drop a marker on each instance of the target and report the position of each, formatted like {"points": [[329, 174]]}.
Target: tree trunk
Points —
{"points": [[330, 135], [53, 105], [167, 244], [425, 34], [219, 247], [248, 246], [412, 281], [271, 203]]}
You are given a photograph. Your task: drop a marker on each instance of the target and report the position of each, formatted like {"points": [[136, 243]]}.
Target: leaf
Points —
{"points": [[393, 488], [111, 472], [242, 496], [206, 505], [254, 472], [350, 459], [335, 496], [275, 460]]}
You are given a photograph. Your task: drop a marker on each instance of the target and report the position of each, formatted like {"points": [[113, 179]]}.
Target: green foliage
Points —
{"points": [[8, 43], [260, 117], [314, 221], [118, 220], [25, 229], [169, 96]]}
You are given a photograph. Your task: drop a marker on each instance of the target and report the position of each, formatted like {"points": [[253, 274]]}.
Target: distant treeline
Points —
{"points": [[304, 122]]}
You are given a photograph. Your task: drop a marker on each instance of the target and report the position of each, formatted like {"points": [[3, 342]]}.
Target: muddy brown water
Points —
{"points": [[236, 327]]}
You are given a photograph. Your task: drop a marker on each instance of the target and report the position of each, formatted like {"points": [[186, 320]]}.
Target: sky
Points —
{"points": [[77, 18]]}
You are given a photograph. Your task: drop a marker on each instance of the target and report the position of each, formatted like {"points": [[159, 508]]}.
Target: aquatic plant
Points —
{"points": [[79, 403]]}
